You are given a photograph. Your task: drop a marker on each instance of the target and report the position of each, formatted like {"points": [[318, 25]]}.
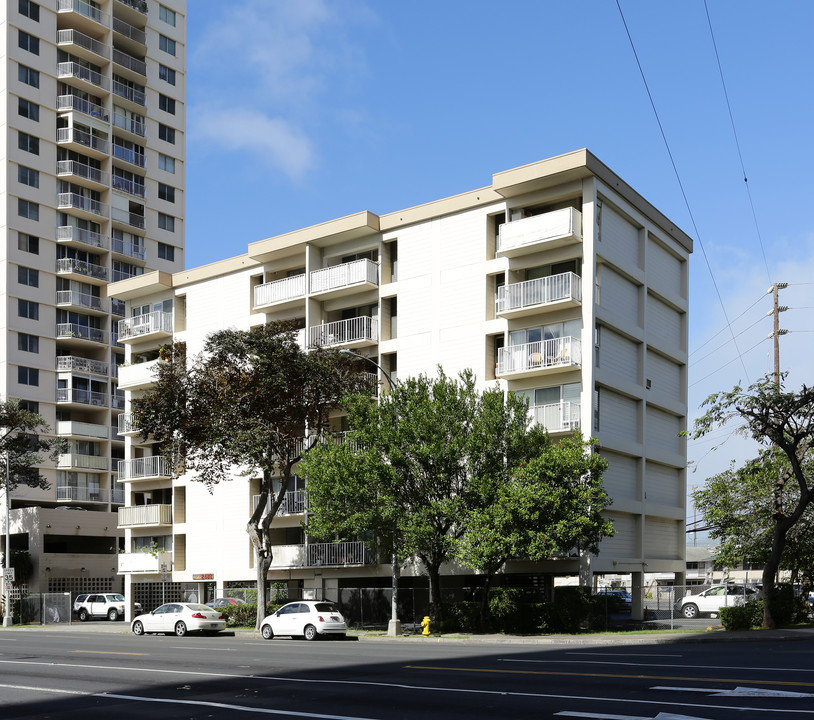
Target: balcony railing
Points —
{"points": [[136, 376], [340, 553], [129, 155], [125, 91], [73, 102], [87, 237], [295, 502], [153, 466], [140, 5], [152, 322], [80, 299], [128, 61], [553, 228], [131, 187], [81, 267], [117, 400], [83, 8], [80, 72], [128, 247], [127, 424], [81, 137], [81, 462], [289, 288], [128, 218], [126, 29], [66, 331], [557, 417], [72, 167], [537, 292], [118, 307], [144, 562], [556, 352], [70, 363], [358, 272], [74, 37], [117, 496], [82, 397], [70, 428], [75, 201], [345, 332], [67, 493], [137, 515]]}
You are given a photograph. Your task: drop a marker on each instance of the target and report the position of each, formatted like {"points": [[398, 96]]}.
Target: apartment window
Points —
{"points": [[166, 74], [166, 44], [28, 376], [166, 15], [28, 75], [28, 276], [29, 143], [28, 209], [166, 222], [28, 243], [30, 405], [166, 133], [28, 309], [28, 176], [28, 343], [29, 9], [167, 104], [28, 42], [166, 192], [166, 252], [28, 109], [167, 163]]}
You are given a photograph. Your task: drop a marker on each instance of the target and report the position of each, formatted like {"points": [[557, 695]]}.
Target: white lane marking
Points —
{"points": [[613, 654], [603, 716], [736, 692], [43, 689], [404, 686], [659, 665]]}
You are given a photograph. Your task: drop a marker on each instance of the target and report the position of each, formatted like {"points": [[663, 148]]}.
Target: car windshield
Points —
{"points": [[326, 607]]}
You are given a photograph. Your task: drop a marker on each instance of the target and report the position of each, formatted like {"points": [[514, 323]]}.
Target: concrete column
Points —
{"points": [[637, 591], [129, 612]]}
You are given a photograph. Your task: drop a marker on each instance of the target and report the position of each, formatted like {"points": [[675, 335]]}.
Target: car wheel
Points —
{"points": [[113, 615], [83, 614], [138, 628], [180, 629], [310, 632], [689, 611], [267, 632]]}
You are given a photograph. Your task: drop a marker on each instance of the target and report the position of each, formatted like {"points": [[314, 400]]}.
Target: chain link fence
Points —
{"points": [[46, 609]]}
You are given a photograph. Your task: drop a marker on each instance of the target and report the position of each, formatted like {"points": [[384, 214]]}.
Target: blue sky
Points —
{"points": [[300, 112]]}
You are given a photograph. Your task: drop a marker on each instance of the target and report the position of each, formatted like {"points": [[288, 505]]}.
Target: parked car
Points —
{"points": [[99, 605], [307, 618], [710, 601], [223, 602], [618, 599], [179, 618]]}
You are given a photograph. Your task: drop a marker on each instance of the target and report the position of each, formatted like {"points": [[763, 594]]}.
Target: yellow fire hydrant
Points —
{"points": [[425, 623]]}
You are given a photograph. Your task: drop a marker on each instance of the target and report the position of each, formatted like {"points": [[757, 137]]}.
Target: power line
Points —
{"points": [[762, 340], [704, 357], [718, 332]]}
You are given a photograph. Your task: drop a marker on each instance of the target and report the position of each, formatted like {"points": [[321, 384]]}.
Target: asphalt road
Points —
{"points": [[84, 674]]}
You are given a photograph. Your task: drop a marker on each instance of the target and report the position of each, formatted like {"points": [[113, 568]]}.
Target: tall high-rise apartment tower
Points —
{"points": [[93, 118]]}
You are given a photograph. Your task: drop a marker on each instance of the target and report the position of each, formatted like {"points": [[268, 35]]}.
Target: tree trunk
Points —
{"points": [[434, 574], [258, 529], [779, 531], [484, 604]]}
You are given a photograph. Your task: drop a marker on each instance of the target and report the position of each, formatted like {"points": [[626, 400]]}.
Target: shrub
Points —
{"points": [[741, 617], [244, 615], [462, 616], [575, 609]]}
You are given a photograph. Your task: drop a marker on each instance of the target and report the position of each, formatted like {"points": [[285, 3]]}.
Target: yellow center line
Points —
{"points": [[103, 652], [611, 675]]}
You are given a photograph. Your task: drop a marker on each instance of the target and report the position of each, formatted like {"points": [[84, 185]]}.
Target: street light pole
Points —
{"points": [[394, 625], [7, 617]]}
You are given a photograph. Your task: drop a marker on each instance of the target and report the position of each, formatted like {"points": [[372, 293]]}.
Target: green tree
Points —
{"points": [[784, 420], [241, 407]]}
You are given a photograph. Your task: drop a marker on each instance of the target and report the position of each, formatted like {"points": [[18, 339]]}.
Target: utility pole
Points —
{"points": [[776, 331]]}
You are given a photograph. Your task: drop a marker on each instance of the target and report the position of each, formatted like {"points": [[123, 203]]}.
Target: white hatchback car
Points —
{"points": [[712, 600], [305, 618], [179, 618]]}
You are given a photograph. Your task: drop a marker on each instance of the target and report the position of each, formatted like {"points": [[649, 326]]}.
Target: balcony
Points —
{"points": [[155, 324], [132, 95], [279, 292], [129, 155], [145, 516], [71, 363], [80, 172], [72, 428], [128, 62], [117, 496], [557, 417], [75, 396], [130, 32], [86, 107], [125, 217], [81, 300], [152, 467], [82, 141], [81, 333], [118, 307], [81, 205], [295, 502], [346, 278], [139, 6], [131, 187], [129, 248], [72, 266], [144, 563], [527, 298], [75, 461], [536, 358], [353, 332], [83, 45], [540, 232], [139, 376], [83, 14], [67, 493], [77, 237], [340, 554], [127, 425], [117, 400], [90, 79]]}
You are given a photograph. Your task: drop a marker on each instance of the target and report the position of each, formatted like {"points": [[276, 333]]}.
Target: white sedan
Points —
{"points": [[179, 618], [305, 618]]}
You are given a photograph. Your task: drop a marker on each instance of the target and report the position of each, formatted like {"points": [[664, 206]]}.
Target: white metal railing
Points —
{"points": [[80, 72], [540, 291], [557, 224], [131, 63], [129, 155], [66, 493], [130, 248], [83, 8], [117, 400], [80, 299], [129, 186], [156, 321], [128, 30], [140, 5], [80, 202], [88, 237], [345, 275], [131, 376], [72, 167], [81, 267], [295, 502], [145, 515], [557, 417], [83, 429], [340, 553], [74, 102], [74, 37], [288, 556], [125, 91], [70, 363], [144, 562], [82, 462], [117, 496], [342, 332], [278, 290], [152, 466], [83, 397], [127, 217], [74, 330], [127, 423], [82, 137], [563, 351]]}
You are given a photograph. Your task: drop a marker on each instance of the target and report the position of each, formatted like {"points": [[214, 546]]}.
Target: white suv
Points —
{"points": [[109, 605], [712, 600]]}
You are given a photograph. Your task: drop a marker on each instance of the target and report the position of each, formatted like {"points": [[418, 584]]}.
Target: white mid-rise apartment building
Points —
{"points": [[558, 281], [93, 108]]}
